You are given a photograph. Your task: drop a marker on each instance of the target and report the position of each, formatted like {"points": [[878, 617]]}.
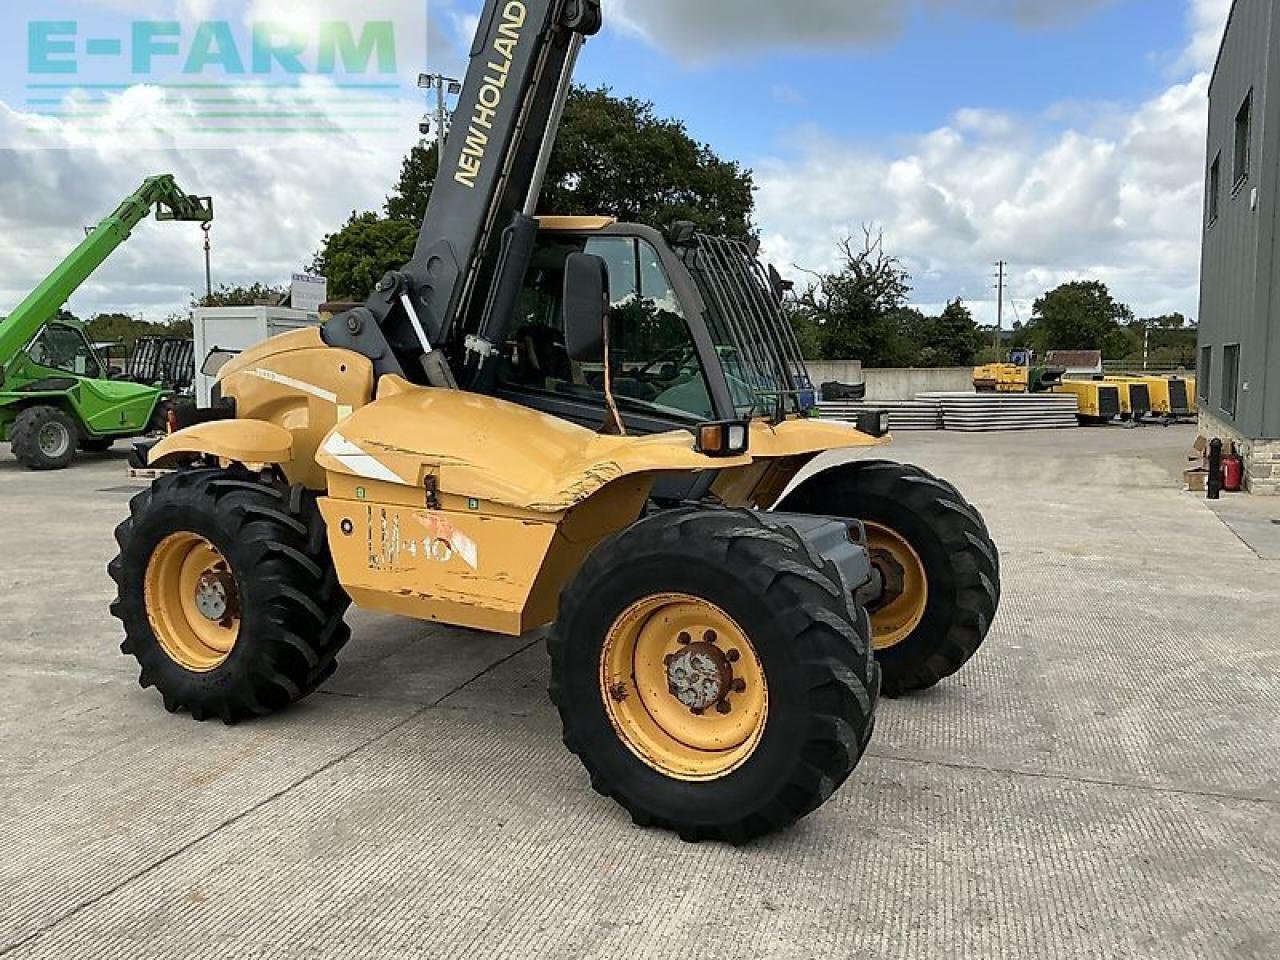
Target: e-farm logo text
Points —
{"points": [[218, 76]]}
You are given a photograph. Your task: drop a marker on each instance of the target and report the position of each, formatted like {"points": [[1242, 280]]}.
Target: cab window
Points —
{"points": [[64, 348], [655, 364]]}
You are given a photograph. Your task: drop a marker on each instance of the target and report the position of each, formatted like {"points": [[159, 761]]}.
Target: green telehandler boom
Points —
{"points": [[55, 393]]}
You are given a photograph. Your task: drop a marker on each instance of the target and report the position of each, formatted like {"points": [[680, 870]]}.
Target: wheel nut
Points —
{"points": [[739, 686], [709, 637], [733, 656], [684, 639], [724, 707]]}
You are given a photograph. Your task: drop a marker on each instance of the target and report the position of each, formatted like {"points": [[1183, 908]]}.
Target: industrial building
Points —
{"points": [[1239, 368]]}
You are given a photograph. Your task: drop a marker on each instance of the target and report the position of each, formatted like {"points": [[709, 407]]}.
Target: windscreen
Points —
{"points": [[757, 346]]}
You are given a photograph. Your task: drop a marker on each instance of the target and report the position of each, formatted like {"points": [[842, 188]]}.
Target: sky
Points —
{"points": [[1063, 136]]}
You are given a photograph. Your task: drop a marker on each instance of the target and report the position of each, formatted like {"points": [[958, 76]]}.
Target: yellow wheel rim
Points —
{"points": [[192, 602], [899, 612], [684, 687]]}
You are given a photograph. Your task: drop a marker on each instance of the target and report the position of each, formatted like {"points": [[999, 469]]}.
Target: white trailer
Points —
{"points": [[236, 329]]}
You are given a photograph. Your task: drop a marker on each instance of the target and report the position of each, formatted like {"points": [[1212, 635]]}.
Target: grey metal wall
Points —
{"points": [[1239, 303]]}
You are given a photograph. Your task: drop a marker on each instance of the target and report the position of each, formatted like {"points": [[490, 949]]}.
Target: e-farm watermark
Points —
{"points": [[235, 75]]}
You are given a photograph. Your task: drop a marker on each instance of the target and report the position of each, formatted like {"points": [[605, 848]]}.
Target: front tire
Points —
{"points": [[44, 438], [228, 595], [936, 557], [713, 677]]}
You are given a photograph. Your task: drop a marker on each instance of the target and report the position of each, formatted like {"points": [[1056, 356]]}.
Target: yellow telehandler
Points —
{"points": [[565, 421]]}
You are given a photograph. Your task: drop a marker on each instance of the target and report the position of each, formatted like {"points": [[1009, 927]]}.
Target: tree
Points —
{"points": [[615, 156], [1164, 341], [360, 254], [859, 311], [949, 340], [1081, 315], [252, 295], [417, 177]]}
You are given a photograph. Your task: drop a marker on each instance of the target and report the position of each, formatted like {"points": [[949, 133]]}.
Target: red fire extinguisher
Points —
{"points": [[1232, 474]]}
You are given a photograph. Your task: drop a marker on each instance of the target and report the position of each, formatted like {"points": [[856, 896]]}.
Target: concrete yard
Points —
{"points": [[1103, 781]]}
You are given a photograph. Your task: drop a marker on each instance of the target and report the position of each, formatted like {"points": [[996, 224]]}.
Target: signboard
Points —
{"points": [[308, 292]]}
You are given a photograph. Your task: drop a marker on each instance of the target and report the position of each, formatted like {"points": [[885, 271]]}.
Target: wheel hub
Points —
{"points": [[215, 596], [52, 440], [699, 676], [893, 579]]}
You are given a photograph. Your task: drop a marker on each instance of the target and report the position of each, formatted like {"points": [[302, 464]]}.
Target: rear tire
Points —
{"points": [[283, 606], [44, 438], [921, 642], [805, 649]]}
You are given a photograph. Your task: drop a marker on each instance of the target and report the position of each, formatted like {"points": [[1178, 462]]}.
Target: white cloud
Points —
{"points": [[699, 31], [1118, 200], [273, 204]]}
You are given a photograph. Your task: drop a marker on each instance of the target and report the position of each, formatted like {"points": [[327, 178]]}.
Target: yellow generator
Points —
{"points": [[1181, 392], [1170, 397], [1099, 402], [1135, 397]]}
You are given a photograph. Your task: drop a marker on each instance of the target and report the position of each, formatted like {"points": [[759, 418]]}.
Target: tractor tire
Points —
{"points": [[936, 556], [97, 444], [44, 438], [768, 721], [228, 594]]}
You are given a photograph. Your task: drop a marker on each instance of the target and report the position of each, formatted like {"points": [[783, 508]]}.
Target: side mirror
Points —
{"points": [[216, 360], [586, 307]]}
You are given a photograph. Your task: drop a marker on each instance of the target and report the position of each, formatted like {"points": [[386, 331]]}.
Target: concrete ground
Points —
{"points": [[1103, 781]]}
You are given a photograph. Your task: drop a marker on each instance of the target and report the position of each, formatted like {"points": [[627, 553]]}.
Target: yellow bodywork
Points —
{"points": [[297, 383], [1002, 378], [1161, 390], [1096, 401], [459, 508]]}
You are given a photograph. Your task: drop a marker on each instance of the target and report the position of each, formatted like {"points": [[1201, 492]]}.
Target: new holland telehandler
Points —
{"points": [[564, 421]]}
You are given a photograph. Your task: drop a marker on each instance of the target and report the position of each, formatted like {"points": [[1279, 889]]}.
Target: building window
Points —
{"points": [[1244, 137], [1205, 373], [1230, 378], [1214, 190]]}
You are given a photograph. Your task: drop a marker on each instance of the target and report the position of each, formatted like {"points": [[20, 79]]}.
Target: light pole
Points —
{"points": [[444, 87], [1001, 265]]}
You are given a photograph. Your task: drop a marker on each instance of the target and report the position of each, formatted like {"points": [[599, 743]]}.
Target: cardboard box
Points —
{"points": [[1197, 481]]}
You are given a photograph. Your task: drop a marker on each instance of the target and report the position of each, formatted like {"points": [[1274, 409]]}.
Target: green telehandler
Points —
{"points": [[56, 395]]}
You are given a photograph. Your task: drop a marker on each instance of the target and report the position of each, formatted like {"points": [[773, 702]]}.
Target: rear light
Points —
{"points": [[728, 439]]}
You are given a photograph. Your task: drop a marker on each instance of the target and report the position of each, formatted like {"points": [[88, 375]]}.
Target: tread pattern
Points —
{"points": [[972, 571], [292, 625], [831, 637]]}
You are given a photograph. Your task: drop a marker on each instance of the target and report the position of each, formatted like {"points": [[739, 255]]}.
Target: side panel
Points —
{"points": [[107, 408], [464, 562]]}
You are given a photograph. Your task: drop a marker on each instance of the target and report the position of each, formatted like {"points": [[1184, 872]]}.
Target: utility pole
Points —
{"points": [[443, 86], [1001, 265], [1146, 345]]}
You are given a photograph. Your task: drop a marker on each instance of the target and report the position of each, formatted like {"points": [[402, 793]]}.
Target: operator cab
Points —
{"points": [[679, 357], [62, 348]]}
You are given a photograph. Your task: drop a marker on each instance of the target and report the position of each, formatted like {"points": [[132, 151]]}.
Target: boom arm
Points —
{"points": [[160, 193], [478, 231]]}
